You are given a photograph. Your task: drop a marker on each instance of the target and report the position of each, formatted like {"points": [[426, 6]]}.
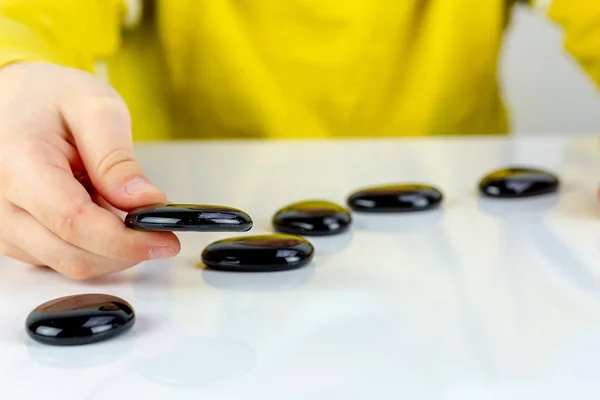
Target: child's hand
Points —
{"points": [[66, 166]]}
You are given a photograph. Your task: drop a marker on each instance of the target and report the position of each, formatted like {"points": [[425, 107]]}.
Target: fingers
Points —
{"points": [[17, 253], [50, 193], [102, 202], [51, 128], [100, 123], [47, 249]]}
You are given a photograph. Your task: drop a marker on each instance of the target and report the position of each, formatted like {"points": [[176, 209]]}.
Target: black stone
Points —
{"points": [[395, 198], [80, 319], [518, 182], [263, 253], [189, 217], [312, 218]]}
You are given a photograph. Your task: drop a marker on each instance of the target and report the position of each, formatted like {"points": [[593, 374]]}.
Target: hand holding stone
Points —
{"points": [[67, 167]]}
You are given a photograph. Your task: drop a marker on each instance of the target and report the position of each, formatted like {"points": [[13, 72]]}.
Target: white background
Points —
{"points": [[545, 89]]}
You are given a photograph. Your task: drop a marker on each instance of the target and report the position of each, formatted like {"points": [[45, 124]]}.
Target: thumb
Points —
{"points": [[101, 127]]}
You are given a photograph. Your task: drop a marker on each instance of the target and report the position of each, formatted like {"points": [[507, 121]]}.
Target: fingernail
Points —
{"points": [[139, 185], [162, 252]]}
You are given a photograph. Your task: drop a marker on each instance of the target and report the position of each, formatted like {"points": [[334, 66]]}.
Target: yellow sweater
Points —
{"points": [[291, 68]]}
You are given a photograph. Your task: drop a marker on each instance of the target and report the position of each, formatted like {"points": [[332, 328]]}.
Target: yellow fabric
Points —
{"points": [[293, 68]]}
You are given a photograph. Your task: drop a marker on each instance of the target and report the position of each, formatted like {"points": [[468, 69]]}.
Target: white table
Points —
{"points": [[480, 300]]}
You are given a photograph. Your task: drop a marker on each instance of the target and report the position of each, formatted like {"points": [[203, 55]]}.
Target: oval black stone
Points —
{"points": [[262, 253], [396, 198], [518, 182], [189, 217], [312, 218], [80, 319]]}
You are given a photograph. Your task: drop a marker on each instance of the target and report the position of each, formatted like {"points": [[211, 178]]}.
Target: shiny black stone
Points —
{"points": [[263, 253], [518, 182], [312, 218], [80, 319], [395, 198], [189, 217]]}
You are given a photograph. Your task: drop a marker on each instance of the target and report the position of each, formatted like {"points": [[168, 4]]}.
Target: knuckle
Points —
{"points": [[125, 249], [77, 268], [114, 159], [107, 105], [65, 224]]}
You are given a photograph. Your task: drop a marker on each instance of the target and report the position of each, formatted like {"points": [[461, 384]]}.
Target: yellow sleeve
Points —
{"points": [[73, 33], [580, 21]]}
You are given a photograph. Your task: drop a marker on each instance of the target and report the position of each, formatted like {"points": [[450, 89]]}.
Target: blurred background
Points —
{"points": [[545, 90]]}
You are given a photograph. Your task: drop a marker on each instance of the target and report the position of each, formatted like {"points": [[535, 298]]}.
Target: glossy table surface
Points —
{"points": [[482, 299]]}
